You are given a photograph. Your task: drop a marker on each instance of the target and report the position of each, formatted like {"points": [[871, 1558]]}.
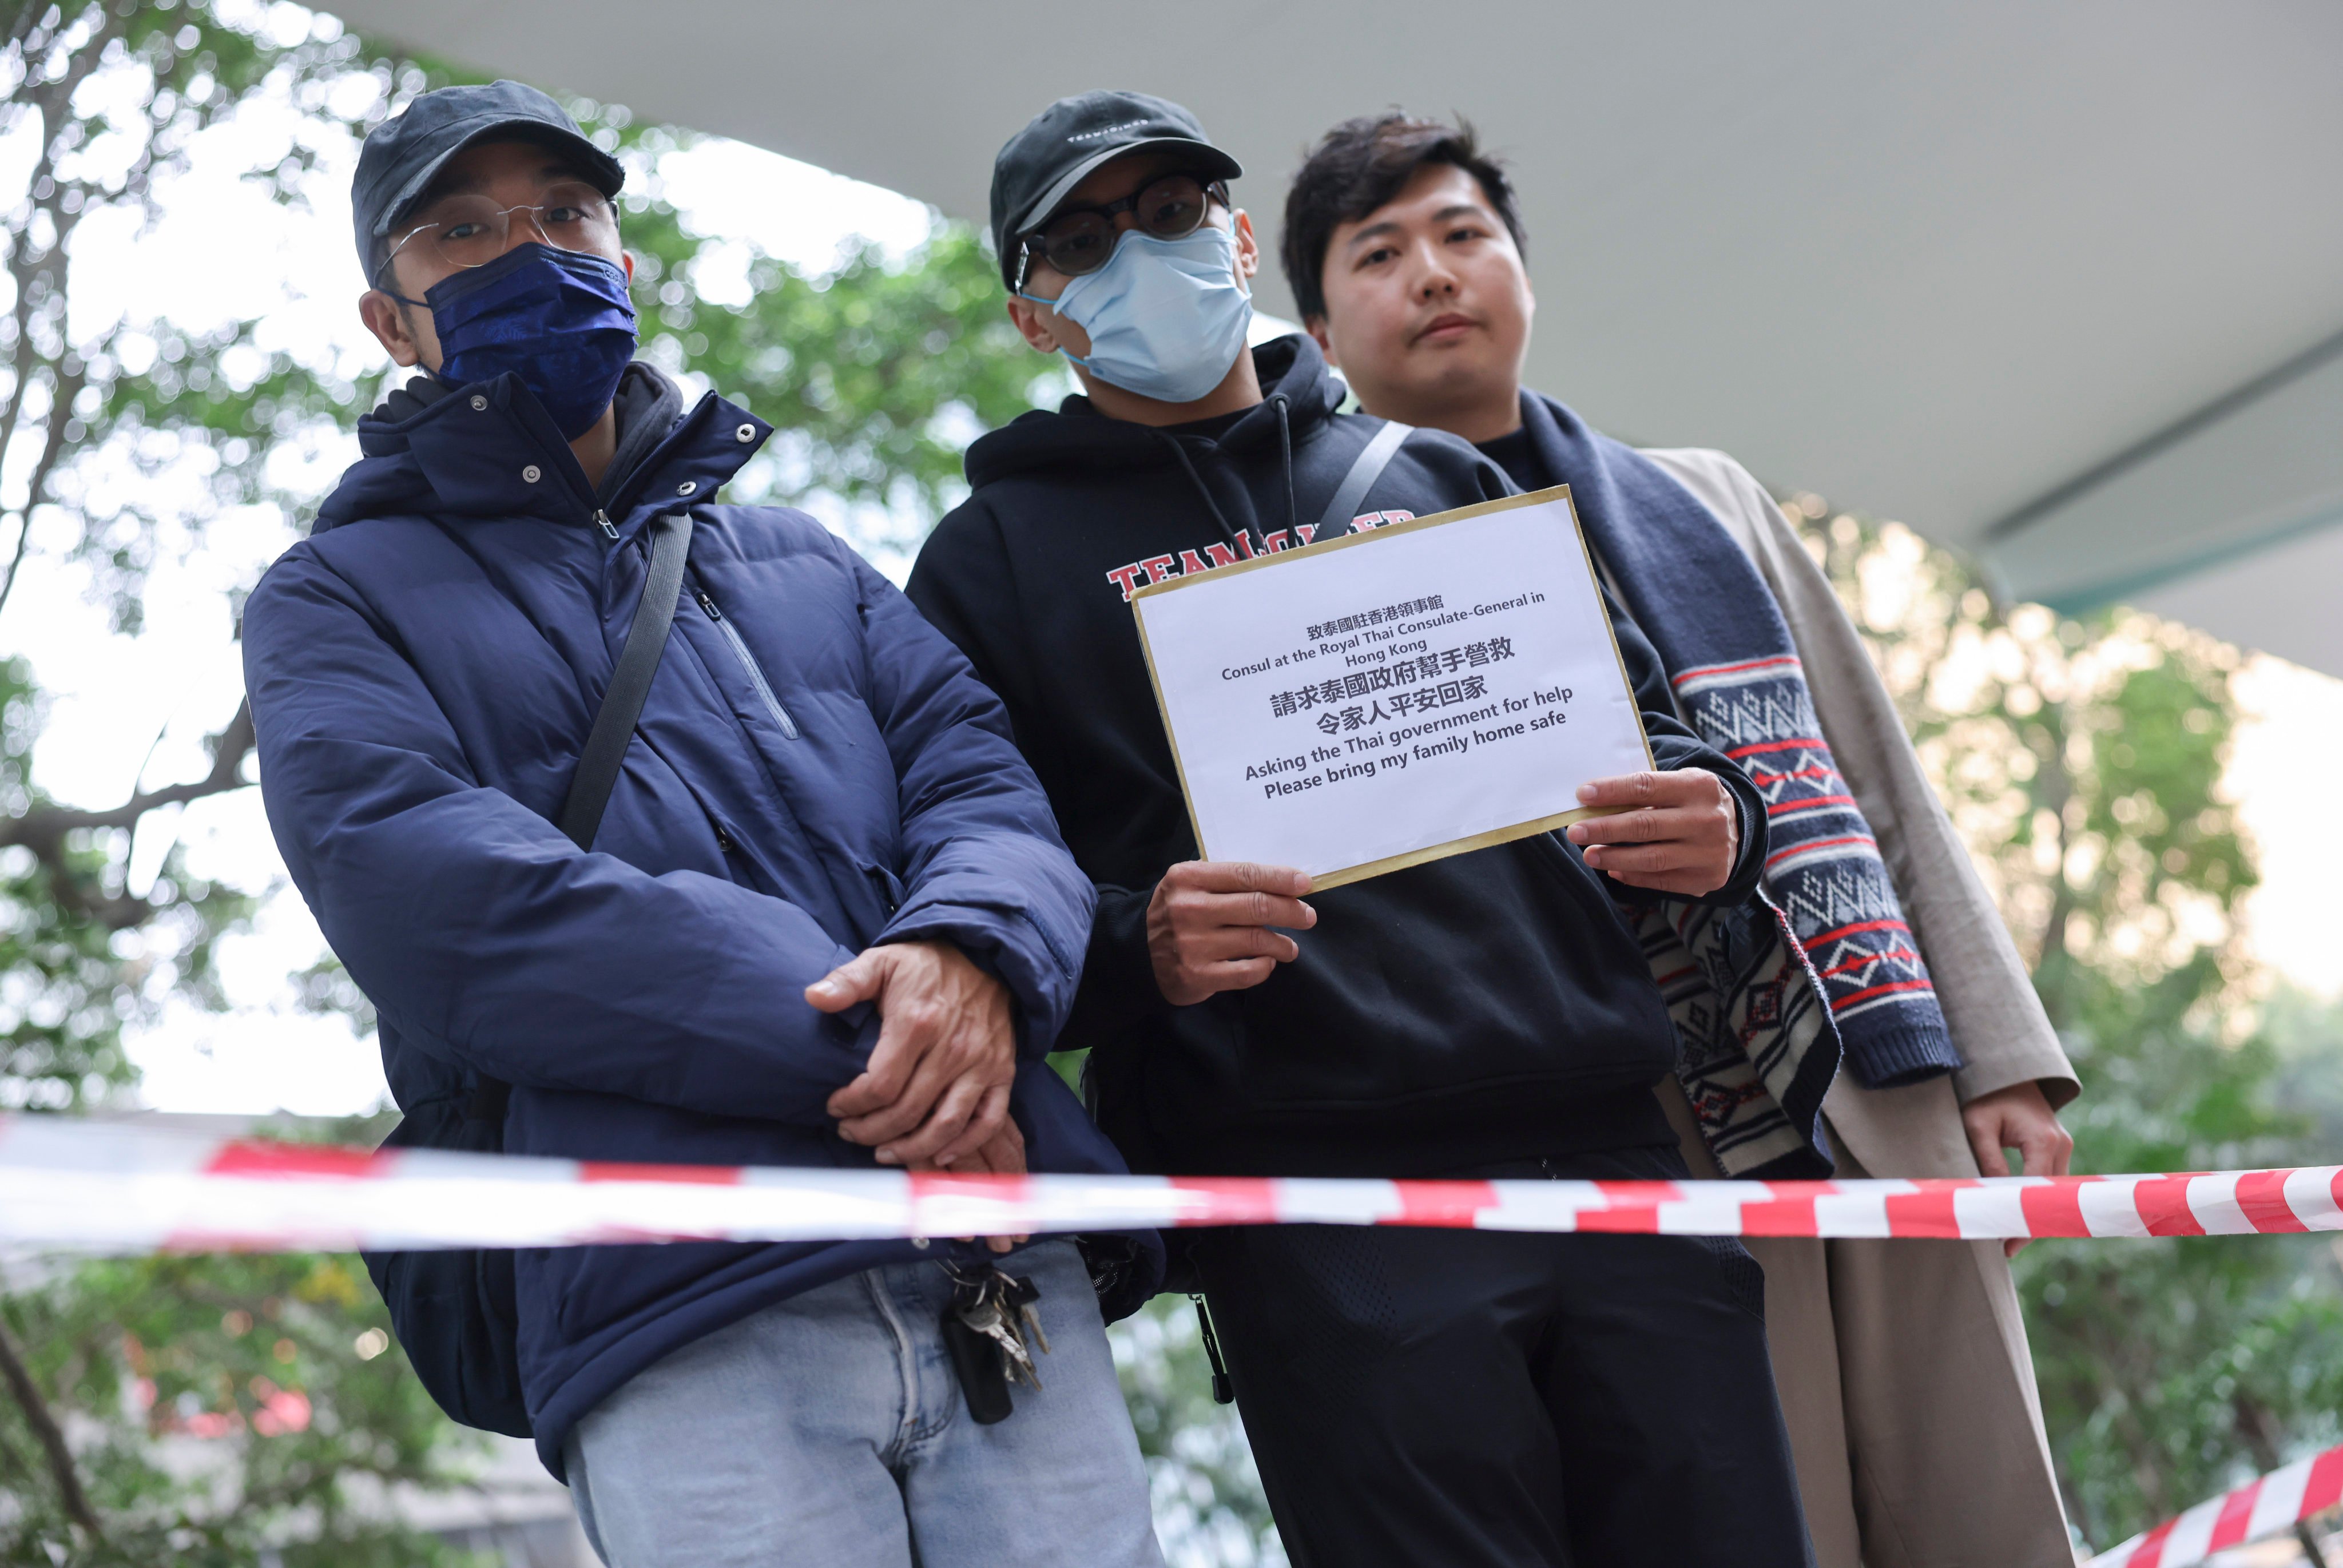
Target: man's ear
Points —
{"points": [[1316, 326], [1248, 248], [385, 318], [1026, 317]]}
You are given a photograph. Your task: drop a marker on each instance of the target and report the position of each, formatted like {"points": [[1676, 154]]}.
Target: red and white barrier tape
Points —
{"points": [[2259, 1509], [117, 1187]]}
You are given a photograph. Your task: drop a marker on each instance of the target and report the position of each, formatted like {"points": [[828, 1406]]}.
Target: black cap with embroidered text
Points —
{"points": [[404, 155], [1061, 145]]}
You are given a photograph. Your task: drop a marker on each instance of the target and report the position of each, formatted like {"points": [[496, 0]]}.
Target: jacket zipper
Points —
{"points": [[602, 519], [747, 662]]}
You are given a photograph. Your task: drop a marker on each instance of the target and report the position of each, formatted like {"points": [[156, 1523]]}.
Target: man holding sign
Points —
{"points": [[1411, 1395]]}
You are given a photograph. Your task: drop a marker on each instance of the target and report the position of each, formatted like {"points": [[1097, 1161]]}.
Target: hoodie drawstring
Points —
{"points": [[1253, 543], [1285, 446], [1187, 465]]}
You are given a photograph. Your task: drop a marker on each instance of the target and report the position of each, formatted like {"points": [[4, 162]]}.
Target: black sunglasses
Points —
{"points": [[1081, 239]]}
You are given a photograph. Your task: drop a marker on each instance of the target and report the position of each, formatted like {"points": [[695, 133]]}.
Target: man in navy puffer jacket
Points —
{"points": [[827, 920]]}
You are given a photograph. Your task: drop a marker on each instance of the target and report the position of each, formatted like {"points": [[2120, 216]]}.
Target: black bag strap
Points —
{"points": [[1365, 469], [630, 682], [614, 726]]}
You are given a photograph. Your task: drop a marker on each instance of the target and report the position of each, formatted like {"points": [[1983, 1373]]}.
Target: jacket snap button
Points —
{"points": [[479, 402], [531, 474], [687, 487], [745, 433]]}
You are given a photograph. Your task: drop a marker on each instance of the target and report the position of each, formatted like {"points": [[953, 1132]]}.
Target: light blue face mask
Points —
{"points": [[1166, 318]]}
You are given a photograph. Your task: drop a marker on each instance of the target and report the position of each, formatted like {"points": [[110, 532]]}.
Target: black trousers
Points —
{"points": [[1457, 1399]]}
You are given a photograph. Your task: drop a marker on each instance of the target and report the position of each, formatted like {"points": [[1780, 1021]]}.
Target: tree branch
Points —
{"points": [[45, 1426], [22, 271], [2055, 791], [68, 387], [232, 745], [52, 100], [44, 828]]}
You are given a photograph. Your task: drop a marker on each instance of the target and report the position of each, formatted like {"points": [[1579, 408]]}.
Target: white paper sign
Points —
{"points": [[1385, 698]]}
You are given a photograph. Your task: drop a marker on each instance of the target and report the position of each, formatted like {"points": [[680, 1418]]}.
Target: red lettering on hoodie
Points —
{"points": [[1158, 568]]}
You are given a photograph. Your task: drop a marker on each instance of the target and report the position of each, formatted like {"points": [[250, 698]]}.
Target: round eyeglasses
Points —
{"points": [[1082, 239], [472, 230]]}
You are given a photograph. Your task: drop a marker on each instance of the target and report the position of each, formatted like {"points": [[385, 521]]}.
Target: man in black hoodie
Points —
{"points": [[1411, 1395]]}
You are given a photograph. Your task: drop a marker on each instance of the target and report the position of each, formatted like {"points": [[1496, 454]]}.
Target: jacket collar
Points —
{"points": [[488, 451]]}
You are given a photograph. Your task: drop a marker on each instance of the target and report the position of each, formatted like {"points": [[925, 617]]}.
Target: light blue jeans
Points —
{"points": [[828, 1429]]}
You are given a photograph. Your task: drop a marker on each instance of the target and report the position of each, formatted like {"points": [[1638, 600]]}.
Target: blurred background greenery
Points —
{"points": [[234, 1410]]}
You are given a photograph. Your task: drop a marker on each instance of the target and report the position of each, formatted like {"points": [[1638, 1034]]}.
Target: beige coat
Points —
{"points": [[1904, 1373]]}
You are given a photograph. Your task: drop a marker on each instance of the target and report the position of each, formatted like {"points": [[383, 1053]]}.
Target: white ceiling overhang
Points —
{"points": [[2060, 284]]}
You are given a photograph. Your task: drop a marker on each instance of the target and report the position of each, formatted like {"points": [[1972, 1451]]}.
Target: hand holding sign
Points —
{"points": [[1678, 832], [1215, 926], [1219, 925]]}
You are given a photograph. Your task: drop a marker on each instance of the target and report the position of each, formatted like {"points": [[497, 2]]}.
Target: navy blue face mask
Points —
{"points": [[558, 319]]}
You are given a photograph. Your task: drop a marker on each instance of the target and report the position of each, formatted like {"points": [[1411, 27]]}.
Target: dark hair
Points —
{"points": [[1361, 164]]}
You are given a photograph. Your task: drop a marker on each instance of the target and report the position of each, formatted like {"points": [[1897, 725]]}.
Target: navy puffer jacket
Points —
{"points": [[816, 770]]}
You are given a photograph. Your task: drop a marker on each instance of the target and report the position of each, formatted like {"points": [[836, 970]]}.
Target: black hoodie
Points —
{"points": [[1486, 1007]]}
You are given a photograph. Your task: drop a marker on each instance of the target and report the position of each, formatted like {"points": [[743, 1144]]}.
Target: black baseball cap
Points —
{"points": [[1061, 145], [404, 155]]}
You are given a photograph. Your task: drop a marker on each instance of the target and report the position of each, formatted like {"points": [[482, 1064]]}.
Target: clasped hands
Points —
{"points": [[934, 1095], [1219, 925]]}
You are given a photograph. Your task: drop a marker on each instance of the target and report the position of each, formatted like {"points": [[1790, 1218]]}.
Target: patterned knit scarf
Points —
{"points": [[1736, 676]]}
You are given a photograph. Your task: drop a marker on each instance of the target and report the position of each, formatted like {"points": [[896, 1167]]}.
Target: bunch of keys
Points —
{"points": [[986, 1327]]}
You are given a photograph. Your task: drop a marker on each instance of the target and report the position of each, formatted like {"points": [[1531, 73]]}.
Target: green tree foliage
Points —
{"points": [[2082, 760], [122, 436], [80, 956], [224, 1411], [875, 377], [167, 1410], [1209, 1510], [116, 96]]}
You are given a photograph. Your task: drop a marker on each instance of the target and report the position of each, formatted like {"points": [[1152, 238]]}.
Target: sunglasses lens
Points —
{"points": [[1172, 208], [1077, 243]]}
